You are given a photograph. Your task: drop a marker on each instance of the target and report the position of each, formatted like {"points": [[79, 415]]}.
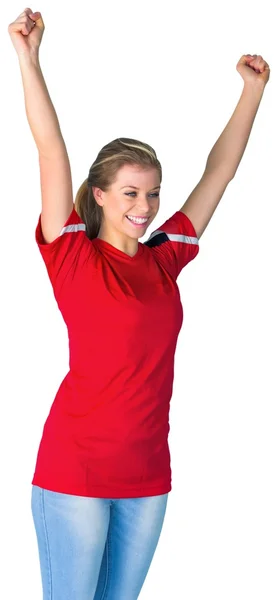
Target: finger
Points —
{"points": [[36, 18], [28, 11], [257, 58], [246, 59], [259, 64], [30, 21], [256, 63], [24, 12], [27, 27], [254, 60], [23, 25]]}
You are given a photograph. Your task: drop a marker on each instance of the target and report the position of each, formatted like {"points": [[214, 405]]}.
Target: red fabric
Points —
{"points": [[106, 434]]}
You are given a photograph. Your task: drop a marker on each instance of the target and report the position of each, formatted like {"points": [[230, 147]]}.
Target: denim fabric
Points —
{"points": [[95, 548]]}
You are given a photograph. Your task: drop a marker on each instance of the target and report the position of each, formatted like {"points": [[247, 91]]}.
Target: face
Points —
{"points": [[130, 204]]}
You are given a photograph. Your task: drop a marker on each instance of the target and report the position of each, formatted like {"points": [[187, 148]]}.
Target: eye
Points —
{"points": [[130, 193]]}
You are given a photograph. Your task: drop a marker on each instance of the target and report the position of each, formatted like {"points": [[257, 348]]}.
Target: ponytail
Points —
{"points": [[89, 211]]}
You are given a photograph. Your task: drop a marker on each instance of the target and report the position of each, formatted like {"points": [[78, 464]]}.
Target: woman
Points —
{"points": [[103, 473]]}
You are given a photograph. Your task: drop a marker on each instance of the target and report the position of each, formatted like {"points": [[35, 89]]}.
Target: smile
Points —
{"points": [[137, 220]]}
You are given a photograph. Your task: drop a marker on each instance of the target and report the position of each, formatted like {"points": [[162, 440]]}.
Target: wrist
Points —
{"points": [[254, 87], [30, 58]]}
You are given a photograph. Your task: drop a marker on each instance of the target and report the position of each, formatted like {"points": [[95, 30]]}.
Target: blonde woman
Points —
{"points": [[103, 475]]}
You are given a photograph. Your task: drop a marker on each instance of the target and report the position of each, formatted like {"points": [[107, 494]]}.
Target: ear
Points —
{"points": [[98, 195]]}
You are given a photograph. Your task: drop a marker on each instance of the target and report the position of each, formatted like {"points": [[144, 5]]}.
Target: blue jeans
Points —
{"points": [[95, 548]]}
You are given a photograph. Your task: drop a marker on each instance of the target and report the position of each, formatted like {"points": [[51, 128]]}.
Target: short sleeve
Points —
{"points": [[62, 255], [175, 243]]}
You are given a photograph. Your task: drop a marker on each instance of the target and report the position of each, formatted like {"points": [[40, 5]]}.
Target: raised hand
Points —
{"points": [[26, 32], [253, 68]]}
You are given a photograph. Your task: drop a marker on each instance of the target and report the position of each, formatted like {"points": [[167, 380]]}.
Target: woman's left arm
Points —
{"points": [[226, 154]]}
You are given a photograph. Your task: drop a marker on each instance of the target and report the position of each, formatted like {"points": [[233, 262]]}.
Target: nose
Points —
{"points": [[143, 204]]}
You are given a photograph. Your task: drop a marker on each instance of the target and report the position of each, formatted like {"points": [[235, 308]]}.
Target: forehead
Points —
{"points": [[138, 176]]}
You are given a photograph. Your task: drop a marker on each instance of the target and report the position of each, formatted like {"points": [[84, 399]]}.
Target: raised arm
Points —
{"points": [[55, 174], [226, 154]]}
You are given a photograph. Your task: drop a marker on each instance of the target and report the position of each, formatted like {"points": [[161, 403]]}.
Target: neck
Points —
{"points": [[122, 242]]}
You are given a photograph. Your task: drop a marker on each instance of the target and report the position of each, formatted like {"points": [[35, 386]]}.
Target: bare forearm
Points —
{"points": [[40, 111], [227, 152]]}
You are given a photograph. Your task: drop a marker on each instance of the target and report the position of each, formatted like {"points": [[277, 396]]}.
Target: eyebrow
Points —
{"points": [[136, 188]]}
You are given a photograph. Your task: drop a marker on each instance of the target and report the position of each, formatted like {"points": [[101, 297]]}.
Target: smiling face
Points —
{"points": [[129, 206]]}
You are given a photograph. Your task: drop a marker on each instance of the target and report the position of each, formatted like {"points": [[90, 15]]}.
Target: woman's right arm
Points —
{"points": [[55, 172]]}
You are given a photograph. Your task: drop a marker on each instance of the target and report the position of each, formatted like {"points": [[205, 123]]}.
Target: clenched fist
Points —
{"points": [[26, 32]]}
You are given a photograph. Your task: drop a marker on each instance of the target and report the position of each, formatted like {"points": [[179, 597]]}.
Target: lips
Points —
{"points": [[137, 221]]}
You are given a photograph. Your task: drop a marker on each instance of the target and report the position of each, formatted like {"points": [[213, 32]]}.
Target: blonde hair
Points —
{"points": [[103, 173]]}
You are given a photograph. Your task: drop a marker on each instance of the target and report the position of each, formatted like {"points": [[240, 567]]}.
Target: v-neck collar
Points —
{"points": [[110, 249]]}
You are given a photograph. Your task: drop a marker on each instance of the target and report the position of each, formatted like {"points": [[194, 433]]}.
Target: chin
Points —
{"points": [[136, 236]]}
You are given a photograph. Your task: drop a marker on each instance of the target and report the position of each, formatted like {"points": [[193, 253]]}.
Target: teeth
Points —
{"points": [[137, 219]]}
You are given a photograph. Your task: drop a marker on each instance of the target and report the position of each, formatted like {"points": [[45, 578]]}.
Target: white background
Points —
{"points": [[164, 73]]}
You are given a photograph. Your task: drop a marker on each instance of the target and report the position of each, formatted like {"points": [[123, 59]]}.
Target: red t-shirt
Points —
{"points": [[106, 434]]}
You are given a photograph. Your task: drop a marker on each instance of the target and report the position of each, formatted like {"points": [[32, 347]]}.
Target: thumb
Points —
{"points": [[36, 16]]}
